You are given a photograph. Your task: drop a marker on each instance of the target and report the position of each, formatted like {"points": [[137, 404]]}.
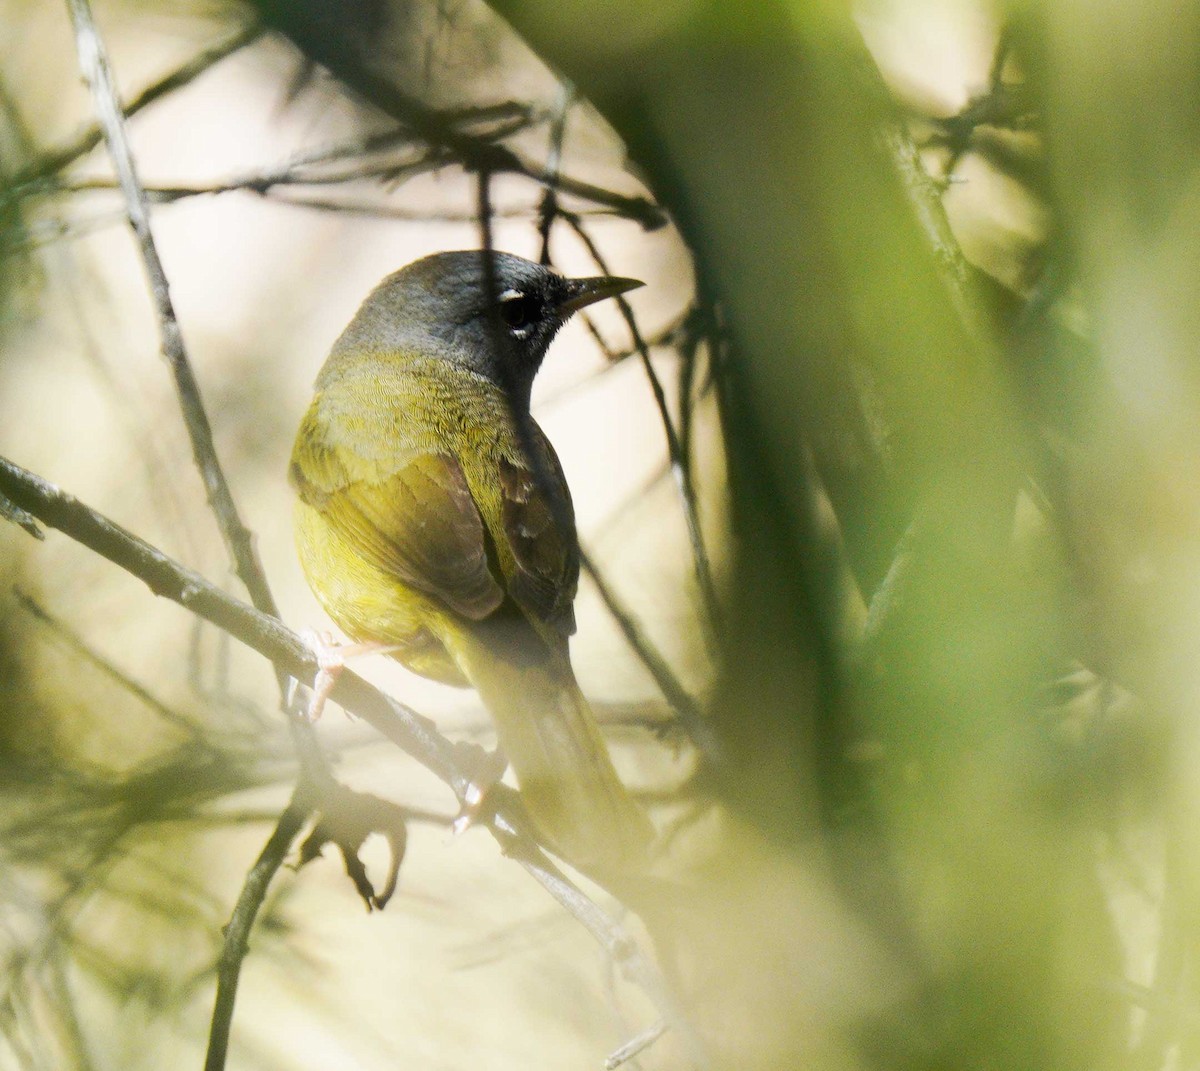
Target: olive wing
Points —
{"points": [[539, 526], [418, 523]]}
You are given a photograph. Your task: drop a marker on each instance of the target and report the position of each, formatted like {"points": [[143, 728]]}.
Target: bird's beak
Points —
{"points": [[584, 292]]}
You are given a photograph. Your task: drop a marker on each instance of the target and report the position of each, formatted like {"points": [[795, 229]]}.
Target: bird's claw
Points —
{"points": [[331, 659], [490, 769]]}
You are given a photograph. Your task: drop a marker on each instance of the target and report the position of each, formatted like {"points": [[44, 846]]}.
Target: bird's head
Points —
{"points": [[494, 314]]}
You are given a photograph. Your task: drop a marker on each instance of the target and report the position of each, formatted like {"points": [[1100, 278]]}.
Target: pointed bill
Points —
{"points": [[584, 292]]}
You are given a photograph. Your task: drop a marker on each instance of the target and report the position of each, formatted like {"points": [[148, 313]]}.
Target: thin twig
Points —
{"points": [[85, 652], [237, 932], [683, 704], [414, 733], [44, 232], [680, 463], [93, 61], [522, 420], [999, 105], [616, 941], [667, 336], [56, 160], [549, 207], [239, 541], [636, 1045], [342, 57], [692, 333], [265, 182], [10, 511]]}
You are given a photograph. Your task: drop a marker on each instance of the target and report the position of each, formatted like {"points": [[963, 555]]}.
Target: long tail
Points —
{"points": [[550, 736]]}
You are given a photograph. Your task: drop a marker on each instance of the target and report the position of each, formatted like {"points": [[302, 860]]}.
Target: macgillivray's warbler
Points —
{"points": [[434, 522]]}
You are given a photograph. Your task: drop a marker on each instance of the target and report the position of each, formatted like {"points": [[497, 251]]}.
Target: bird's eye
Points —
{"points": [[518, 310]]}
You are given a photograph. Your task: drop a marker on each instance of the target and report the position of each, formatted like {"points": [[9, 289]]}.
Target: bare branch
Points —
{"points": [[622, 949], [93, 62], [667, 336], [636, 1045], [238, 539], [680, 463], [58, 159], [548, 211], [414, 733], [684, 705], [294, 173], [235, 947], [10, 511], [342, 55]]}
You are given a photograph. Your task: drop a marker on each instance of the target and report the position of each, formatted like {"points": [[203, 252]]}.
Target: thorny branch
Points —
{"points": [[414, 733]]}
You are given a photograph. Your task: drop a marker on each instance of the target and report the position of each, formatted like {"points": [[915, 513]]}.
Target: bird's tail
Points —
{"points": [[550, 736]]}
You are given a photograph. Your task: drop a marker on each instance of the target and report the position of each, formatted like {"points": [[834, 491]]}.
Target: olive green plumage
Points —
{"points": [[433, 516]]}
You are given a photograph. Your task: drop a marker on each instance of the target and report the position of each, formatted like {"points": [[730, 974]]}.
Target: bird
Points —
{"points": [[434, 523]]}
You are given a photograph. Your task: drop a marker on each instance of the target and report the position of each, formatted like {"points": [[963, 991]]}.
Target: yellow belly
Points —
{"points": [[370, 605]]}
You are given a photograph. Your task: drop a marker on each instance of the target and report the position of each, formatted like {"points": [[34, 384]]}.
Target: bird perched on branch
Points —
{"points": [[434, 522]]}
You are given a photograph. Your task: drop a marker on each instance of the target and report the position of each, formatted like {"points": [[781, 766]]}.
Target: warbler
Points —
{"points": [[434, 522]]}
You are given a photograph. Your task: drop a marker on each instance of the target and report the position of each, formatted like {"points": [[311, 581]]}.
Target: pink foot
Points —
{"points": [[487, 773], [331, 660]]}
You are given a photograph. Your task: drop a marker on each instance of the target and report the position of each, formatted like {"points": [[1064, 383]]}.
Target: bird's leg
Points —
{"points": [[486, 768], [331, 660]]}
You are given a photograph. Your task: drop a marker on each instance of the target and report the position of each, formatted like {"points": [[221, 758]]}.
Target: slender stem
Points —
{"points": [[620, 946], [56, 160], [673, 691], [680, 465], [548, 212], [93, 61], [636, 1045], [414, 733], [237, 932]]}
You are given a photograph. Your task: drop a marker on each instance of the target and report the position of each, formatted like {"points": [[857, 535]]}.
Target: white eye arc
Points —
{"points": [[519, 311]]}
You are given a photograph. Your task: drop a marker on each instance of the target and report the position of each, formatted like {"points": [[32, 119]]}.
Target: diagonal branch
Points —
{"points": [[412, 732], [93, 61], [673, 691], [237, 932], [56, 160], [680, 463]]}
